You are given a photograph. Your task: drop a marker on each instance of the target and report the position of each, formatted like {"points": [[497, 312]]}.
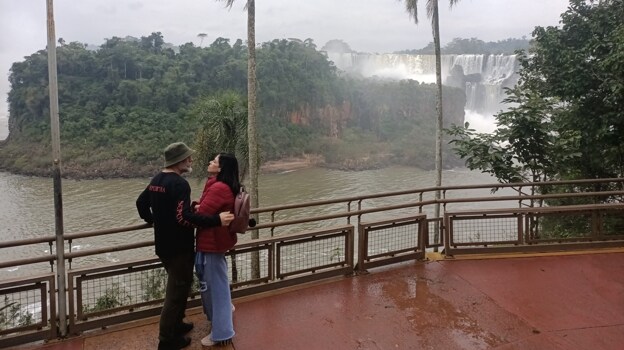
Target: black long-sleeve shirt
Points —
{"points": [[165, 202]]}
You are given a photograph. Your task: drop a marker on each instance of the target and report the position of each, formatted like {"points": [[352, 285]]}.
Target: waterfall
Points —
{"points": [[484, 80], [483, 77]]}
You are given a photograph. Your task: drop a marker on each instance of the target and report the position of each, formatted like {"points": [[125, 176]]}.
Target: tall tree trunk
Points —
{"points": [[252, 133], [438, 147]]}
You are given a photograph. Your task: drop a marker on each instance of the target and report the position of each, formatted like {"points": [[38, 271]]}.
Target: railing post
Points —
{"points": [[423, 235], [436, 214], [56, 155], [448, 233], [596, 223], [520, 229], [349, 210], [361, 252], [349, 246]]}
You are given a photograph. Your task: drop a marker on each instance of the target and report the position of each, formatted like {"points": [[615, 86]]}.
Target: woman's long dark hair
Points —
{"points": [[228, 172]]}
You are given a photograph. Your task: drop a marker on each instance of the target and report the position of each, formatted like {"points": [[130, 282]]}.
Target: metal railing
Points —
{"points": [[309, 241], [391, 241], [28, 306], [544, 229]]}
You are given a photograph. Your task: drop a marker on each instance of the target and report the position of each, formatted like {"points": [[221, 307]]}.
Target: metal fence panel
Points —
{"points": [[27, 310]]}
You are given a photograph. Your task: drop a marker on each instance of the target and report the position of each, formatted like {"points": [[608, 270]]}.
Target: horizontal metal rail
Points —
{"points": [[28, 241], [334, 249], [507, 230], [116, 248], [495, 186], [27, 261], [431, 202], [72, 236], [350, 213]]}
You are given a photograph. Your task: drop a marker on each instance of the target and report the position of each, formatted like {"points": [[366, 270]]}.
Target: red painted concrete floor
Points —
{"points": [[546, 302]]}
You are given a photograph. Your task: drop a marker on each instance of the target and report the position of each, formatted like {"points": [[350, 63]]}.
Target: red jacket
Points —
{"points": [[216, 198]]}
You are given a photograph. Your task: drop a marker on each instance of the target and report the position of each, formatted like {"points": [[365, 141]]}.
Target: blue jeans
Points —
{"points": [[214, 287]]}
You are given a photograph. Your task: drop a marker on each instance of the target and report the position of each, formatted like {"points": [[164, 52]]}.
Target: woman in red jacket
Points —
{"points": [[211, 246]]}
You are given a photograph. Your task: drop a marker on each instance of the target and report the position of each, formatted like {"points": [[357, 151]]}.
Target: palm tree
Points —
{"points": [[223, 128], [432, 13], [252, 133], [201, 36]]}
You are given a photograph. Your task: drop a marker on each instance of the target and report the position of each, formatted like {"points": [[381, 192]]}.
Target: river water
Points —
{"points": [[27, 203], [27, 206]]}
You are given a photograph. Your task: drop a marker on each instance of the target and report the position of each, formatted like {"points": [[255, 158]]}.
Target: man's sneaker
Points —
{"points": [[184, 328], [176, 344], [233, 308]]}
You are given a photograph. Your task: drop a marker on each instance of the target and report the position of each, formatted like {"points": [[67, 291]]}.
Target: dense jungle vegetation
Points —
{"points": [[122, 103], [462, 46]]}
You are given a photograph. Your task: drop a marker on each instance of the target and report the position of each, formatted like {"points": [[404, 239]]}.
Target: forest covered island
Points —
{"points": [[121, 103]]}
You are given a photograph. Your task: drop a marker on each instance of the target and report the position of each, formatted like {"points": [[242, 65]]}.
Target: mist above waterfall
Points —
{"points": [[482, 77], [4, 127], [389, 66]]}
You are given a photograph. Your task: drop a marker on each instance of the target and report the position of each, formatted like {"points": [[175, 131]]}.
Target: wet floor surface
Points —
{"points": [[547, 302]]}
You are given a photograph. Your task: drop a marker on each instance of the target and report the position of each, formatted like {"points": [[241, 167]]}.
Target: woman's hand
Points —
{"points": [[226, 217]]}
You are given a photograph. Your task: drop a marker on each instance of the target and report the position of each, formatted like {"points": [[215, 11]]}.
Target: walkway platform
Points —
{"points": [[571, 301]]}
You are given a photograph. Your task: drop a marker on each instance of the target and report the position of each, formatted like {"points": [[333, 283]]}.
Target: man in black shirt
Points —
{"points": [[165, 202]]}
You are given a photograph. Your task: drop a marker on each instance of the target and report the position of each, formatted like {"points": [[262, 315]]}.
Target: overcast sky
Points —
{"points": [[366, 25]]}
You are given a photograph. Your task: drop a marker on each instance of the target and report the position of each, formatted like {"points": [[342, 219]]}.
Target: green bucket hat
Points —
{"points": [[177, 152]]}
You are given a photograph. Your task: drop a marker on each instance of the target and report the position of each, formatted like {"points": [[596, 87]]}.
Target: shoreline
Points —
{"points": [[121, 168], [291, 164], [70, 171]]}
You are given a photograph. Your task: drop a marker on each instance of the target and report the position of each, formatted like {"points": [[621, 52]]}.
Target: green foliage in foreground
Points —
{"points": [[12, 315], [153, 284], [113, 297]]}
